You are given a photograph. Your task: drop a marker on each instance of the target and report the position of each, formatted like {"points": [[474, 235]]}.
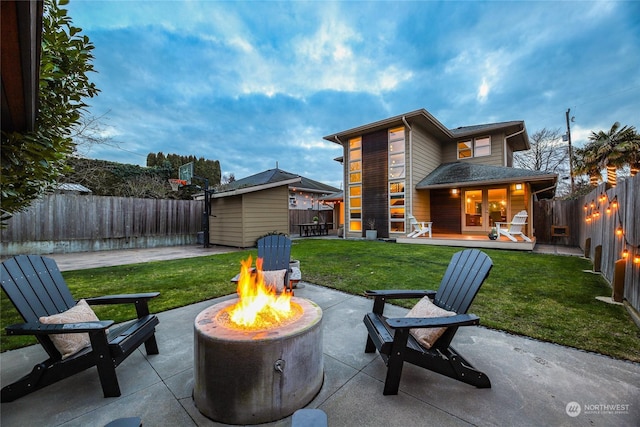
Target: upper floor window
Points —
{"points": [[477, 147], [396, 153]]}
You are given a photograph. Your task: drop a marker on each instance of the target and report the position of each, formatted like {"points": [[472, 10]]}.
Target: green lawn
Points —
{"points": [[541, 296]]}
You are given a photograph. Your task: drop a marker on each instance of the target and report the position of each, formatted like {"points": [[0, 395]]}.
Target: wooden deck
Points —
{"points": [[470, 241]]}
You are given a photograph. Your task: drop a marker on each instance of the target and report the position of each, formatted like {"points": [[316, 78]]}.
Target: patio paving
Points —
{"points": [[533, 382]]}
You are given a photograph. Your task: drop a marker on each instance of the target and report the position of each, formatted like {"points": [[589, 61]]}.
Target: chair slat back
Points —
{"points": [[275, 251], [465, 274], [519, 220], [35, 286]]}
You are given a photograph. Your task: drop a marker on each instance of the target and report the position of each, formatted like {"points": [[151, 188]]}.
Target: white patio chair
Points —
{"points": [[419, 228], [514, 228]]}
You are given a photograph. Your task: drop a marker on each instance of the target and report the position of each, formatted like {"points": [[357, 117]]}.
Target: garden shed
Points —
{"points": [[244, 210]]}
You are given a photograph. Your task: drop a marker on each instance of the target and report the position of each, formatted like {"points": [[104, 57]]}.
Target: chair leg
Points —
{"points": [[104, 364], [370, 347], [151, 345], [395, 362]]}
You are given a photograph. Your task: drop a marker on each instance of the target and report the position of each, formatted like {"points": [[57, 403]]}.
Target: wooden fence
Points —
{"points": [[60, 223], [591, 222]]}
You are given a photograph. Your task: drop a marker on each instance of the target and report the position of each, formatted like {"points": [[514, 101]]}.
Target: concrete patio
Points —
{"points": [[532, 382]]}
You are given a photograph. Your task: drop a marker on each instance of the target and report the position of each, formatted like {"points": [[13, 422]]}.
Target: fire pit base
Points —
{"points": [[260, 376]]}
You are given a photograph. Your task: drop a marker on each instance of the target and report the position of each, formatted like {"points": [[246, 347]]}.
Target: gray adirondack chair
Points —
{"points": [[36, 288], [465, 274]]}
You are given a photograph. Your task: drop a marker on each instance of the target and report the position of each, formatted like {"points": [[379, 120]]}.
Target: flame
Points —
{"points": [[259, 305]]}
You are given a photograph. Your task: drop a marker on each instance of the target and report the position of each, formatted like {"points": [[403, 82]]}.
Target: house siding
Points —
{"points": [[427, 154], [375, 172], [450, 151], [446, 212]]}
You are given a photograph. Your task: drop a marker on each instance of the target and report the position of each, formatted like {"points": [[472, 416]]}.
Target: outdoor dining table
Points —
{"points": [[315, 228]]}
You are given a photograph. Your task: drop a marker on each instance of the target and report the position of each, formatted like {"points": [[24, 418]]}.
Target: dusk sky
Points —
{"points": [[255, 83]]}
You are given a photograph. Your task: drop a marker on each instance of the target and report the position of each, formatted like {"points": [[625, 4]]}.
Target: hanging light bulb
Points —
{"points": [[625, 253], [593, 204], [619, 231], [609, 210], [586, 206], [636, 259], [614, 203]]}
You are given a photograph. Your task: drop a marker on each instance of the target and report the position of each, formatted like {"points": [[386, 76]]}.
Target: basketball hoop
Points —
{"points": [[176, 183]]}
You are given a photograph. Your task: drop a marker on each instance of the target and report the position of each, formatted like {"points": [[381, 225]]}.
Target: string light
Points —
{"points": [[619, 231], [609, 210], [614, 202], [636, 259], [625, 253]]}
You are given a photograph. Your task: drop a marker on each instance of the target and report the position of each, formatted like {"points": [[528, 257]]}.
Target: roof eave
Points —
{"points": [[255, 188]]}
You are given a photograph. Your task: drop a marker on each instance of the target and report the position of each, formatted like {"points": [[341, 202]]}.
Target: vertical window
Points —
{"points": [[396, 153], [396, 207], [483, 146], [396, 180], [465, 149], [355, 184]]}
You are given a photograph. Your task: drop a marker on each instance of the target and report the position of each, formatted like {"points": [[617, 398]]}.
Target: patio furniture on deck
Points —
{"points": [[414, 339], [514, 228], [38, 291], [419, 228]]}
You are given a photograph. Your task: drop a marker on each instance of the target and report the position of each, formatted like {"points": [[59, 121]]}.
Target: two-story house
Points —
{"points": [[460, 179]]}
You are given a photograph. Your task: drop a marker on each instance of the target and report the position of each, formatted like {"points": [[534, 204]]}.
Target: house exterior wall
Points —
{"points": [[425, 156], [450, 152], [240, 220]]}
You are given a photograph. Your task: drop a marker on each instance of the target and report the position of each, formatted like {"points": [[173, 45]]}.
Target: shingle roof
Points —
{"points": [[462, 173], [273, 176]]}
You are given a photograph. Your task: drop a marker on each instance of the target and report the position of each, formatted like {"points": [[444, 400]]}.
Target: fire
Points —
{"points": [[259, 305]]}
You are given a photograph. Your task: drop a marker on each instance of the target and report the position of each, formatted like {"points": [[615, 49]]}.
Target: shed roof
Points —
{"points": [[273, 178]]}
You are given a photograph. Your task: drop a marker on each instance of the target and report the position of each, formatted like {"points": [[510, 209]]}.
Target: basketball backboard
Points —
{"points": [[185, 172]]}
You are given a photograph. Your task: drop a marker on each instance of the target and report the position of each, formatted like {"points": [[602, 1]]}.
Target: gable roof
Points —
{"points": [[458, 174], [273, 178], [425, 120]]}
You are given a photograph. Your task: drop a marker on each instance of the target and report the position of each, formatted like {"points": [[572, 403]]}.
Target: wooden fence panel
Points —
{"points": [[72, 223], [587, 218]]}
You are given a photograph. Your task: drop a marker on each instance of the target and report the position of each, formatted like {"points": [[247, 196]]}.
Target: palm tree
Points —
{"points": [[586, 162], [608, 149], [631, 148]]}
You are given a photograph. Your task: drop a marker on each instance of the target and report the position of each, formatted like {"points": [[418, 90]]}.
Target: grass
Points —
{"points": [[545, 297]]}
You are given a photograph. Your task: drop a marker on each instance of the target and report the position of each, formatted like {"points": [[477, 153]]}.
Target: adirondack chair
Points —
{"points": [[419, 228], [36, 288], [465, 274], [514, 228], [275, 251]]}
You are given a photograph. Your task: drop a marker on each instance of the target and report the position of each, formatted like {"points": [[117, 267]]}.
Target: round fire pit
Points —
{"points": [[256, 376]]}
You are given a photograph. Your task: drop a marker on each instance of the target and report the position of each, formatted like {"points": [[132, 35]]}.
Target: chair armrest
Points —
{"points": [[121, 299], [37, 328], [434, 322], [399, 293]]}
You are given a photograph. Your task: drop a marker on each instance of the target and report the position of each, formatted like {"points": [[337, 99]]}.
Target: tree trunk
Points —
{"points": [[612, 176]]}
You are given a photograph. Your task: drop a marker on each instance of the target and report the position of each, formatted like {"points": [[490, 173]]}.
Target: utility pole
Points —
{"points": [[570, 151]]}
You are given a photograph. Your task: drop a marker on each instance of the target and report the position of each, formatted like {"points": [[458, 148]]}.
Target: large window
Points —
{"points": [[396, 180], [396, 153], [355, 184], [477, 147]]}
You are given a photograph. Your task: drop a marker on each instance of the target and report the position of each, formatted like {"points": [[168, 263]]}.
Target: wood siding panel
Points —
{"points": [[427, 155], [450, 152], [446, 212], [375, 172]]}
